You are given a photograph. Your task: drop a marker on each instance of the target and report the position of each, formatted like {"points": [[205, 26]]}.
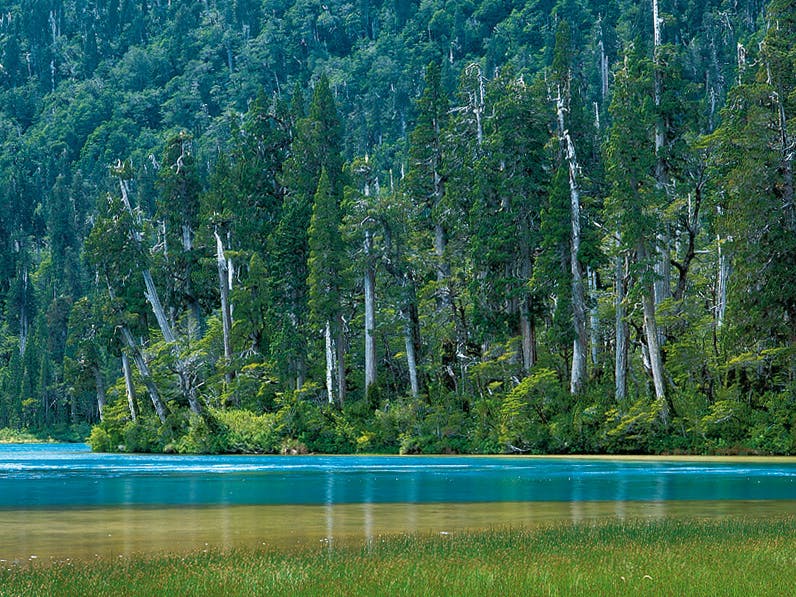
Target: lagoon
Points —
{"points": [[61, 501]]}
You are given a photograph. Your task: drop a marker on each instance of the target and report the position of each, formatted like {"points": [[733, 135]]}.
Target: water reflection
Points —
{"points": [[109, 533]]}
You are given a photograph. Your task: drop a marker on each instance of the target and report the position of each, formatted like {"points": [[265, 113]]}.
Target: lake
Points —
{"points": [[60, 501]]}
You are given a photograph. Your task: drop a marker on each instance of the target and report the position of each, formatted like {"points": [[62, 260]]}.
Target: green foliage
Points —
{"points": [[234, 129], [526, 412]]}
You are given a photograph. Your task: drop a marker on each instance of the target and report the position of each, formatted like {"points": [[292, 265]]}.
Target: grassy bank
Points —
{"points": [[672, 557]]}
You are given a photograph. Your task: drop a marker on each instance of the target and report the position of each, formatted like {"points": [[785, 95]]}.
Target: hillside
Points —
{"points": [[496, 226]]}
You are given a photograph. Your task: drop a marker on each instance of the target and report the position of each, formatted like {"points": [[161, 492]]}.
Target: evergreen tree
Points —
{"points": [[635, 200], [325, 283]]}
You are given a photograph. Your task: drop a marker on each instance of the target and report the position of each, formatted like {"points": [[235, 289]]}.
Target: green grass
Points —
{"points": [[671, 557]]}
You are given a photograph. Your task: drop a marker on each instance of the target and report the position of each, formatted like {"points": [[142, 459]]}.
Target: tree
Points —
{"points": [[753, 162], [562, 79], [506, 217], [324, 282], [635, 200], [316, 146]]}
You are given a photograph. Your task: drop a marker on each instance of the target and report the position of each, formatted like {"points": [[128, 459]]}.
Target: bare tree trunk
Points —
{"points": [[604, 69], [411, 361], [146, 375], [327, 335], [594, 317], [721, 284], [527, 332], [620, 330], [370, 313], [340, 362], [151, 291], [101, 398], [651, 336], [128, 385], [23, 313], [528, 338], [578, 374], [226, 311], [662, 283]]}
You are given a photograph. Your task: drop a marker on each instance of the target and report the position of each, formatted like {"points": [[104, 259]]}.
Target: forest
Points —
{"points": [[383, 226]]}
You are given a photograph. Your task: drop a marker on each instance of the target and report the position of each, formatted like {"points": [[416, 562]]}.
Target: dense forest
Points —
{"points": [[417, 226]]}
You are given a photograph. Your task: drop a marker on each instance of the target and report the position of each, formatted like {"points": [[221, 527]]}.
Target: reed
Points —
{"points": [[668, 557]]}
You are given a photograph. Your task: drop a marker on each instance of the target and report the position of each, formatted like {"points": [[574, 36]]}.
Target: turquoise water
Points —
{"points": [[70, 476]]}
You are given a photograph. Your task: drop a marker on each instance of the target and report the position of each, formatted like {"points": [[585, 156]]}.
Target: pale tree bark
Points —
{"points": [[662, 284], [604, 67], [620, 328], [329, 352], [342, 389], [369, 283], [23, 313], [151, 291], [146, 374], [594, 318], [226, 309], [128, 385], [184, 369], [411, 361], [578, 373], [723, 277], [101, 396], [408, 311], [527, 330], [651, 337]]}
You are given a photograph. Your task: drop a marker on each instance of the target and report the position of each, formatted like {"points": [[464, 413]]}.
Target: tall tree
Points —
{"points": [[324, 281], [635, 200], [316, 145], [753, 162], [563, 80]]}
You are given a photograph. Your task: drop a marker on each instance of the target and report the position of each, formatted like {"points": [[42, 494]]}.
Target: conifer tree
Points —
{"points": [[635, 200], [324, 282], [316, 145]]}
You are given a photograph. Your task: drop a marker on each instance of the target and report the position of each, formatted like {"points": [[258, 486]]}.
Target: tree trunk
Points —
{"points": [[578, 374], [411, 361], [620, 330], [329, 352], [128, 385], [722, 282], [151, 294], [604, 67], [594, 318], [370, 313], [340, 362], [662, 284], [101, 398], [528, 331], [226, 311], [651, 336], [146, 375], [23, 313]]}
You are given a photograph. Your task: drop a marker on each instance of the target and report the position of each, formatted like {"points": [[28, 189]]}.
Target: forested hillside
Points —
{"points": [[435, 225]]}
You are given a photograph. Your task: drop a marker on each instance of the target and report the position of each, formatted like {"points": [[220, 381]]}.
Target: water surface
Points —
{"points": [[62, 501]]}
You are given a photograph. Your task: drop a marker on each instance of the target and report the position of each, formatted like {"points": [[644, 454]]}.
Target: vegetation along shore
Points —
{"points": [[449, 226]]}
